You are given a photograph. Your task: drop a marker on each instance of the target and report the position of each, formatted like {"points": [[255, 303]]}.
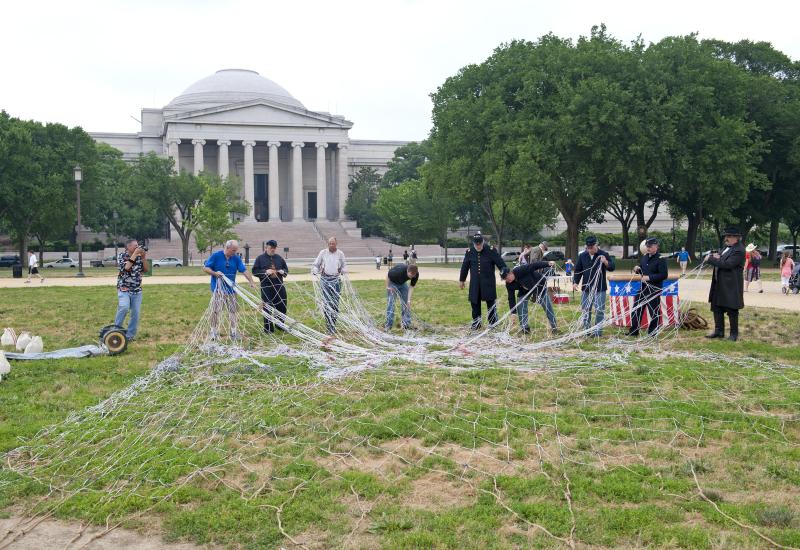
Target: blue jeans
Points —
{"points": [[596, 301], [547, 306], [394, 292], [128, 301], [331, 288]]}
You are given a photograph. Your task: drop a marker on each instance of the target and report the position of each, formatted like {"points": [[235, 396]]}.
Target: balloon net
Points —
{"points": [[279, 409]]}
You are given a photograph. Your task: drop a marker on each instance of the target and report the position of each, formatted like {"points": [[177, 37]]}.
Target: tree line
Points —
{"points": [[596, 129], [140, 198]]}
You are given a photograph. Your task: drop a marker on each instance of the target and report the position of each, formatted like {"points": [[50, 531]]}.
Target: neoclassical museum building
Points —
{"points": [[294, 163]]}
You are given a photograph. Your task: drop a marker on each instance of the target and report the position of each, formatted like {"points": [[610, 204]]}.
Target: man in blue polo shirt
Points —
{"points": [[225, 263]]}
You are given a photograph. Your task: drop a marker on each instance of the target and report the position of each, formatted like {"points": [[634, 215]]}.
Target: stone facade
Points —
{"points": [[294, 163]]}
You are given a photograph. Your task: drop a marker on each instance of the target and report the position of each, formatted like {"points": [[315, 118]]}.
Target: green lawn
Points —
{"points": [[410, 456]]}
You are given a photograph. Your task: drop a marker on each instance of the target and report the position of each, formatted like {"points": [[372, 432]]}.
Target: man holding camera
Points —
{"points": [[727, 289], [129, 286]]}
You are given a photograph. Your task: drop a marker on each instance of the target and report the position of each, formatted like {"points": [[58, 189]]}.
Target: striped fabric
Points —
{"points": [[623, 293]]}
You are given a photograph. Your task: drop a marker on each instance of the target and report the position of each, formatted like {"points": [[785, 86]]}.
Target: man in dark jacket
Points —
{"points": [[526, 282], [590, 277], [653, 269], [479, 263], [271, 269], [396, 287], [727, 289]]}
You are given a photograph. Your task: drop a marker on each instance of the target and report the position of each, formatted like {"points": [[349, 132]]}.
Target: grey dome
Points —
{"points": [[231, 86]]}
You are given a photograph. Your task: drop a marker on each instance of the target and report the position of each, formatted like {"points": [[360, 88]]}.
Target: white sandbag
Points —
{"points": [[34, 346], [22, 341], [9, 337], [5, 366]]}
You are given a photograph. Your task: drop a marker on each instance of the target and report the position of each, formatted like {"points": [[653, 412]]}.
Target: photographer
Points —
{"points": [[129, 286]]}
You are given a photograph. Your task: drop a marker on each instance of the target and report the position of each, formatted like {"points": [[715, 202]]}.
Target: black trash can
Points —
{"points": [[16, 271]]}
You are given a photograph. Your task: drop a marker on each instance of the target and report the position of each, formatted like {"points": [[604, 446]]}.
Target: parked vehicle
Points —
{"points": [[510, 256], [167, 262], [62, 263], [108, 261], [553, 256], [8, 261]]}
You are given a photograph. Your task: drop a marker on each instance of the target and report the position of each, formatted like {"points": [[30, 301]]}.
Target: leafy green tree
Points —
{"points": [[711, 168], [773, 103], [213, 216], [364, 188], [406, 163]]}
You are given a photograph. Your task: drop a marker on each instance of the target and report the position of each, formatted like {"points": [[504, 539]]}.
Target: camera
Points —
{"points": [[144, 248]]}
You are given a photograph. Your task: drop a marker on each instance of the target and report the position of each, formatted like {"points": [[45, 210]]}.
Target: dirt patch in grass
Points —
{"points": [[437, 491], [59, 534]]}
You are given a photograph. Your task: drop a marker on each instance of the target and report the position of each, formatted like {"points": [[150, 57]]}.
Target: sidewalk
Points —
{"points": [[695, 290]]}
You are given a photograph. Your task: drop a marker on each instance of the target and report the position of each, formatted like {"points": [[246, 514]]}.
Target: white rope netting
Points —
{"points": [[268, 415]]}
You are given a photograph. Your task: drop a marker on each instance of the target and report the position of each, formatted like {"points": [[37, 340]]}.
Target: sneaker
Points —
{"points": [[632, 333], [213, 335], [526, 330], [235, 336], [42, 280], [761, 292]]}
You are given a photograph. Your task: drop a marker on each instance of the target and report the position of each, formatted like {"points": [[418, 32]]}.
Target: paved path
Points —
{"points": [[695, 290]]}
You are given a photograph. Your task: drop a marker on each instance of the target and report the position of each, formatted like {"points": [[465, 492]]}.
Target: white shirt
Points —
{"points": [[33, 261], [329, 264]]}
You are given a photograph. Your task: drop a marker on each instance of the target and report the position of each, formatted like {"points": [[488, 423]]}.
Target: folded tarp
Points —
{"points": [[82, 351]]}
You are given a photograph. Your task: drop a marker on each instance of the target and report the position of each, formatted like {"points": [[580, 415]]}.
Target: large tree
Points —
{"points": [[364, 188], [714, 163], [213, 216]]}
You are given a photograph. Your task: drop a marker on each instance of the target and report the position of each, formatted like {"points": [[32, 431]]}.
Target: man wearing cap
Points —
{"points": [[727, 288], [222, 265], [479, 263], [526, 282], [653, 269], [271, 269], [590, 277]]}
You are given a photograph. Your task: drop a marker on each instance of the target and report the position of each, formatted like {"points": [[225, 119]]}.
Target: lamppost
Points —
{"points": [[115, 215], [77, 173]]}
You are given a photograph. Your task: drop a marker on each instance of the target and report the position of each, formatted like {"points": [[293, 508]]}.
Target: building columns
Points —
{"points": [[297, 180], [198, 155], [322, 188], [174, 153], [249, 179], [222, 159], [274, 182], [343, 178]]}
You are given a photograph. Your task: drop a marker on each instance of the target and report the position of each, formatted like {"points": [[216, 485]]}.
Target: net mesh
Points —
{"points": [[280, 418]]}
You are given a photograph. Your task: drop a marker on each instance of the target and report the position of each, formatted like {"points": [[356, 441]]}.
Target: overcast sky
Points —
{"points": [[97, 63]]}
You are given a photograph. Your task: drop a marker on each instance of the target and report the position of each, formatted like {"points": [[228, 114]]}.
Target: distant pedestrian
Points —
{"points": [[413, 256], [33, 267], [390, 259], [405, 256], [377, 262], [787, 265], [568, 267], [683, 260], [752, 272]]}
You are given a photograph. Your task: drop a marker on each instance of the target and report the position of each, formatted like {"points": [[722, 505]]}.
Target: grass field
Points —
{"points": [[414, 456]]}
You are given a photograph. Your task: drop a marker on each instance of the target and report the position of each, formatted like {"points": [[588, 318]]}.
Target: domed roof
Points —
{"points": [[231, 86]]}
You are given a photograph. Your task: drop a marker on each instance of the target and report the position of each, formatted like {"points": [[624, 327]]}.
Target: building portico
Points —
{"points": [[294, 164]]}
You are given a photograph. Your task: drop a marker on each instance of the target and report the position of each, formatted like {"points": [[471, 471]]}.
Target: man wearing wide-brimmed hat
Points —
{"points": [[727, 287], [752, 267]]}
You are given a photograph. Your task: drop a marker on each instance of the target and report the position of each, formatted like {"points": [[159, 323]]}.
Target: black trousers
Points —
{"points": [[491, 309], [651, 297], [719, 319], [273, 294]]}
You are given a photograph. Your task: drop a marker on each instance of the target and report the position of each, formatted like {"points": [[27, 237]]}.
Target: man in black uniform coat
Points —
{"points": [[653, 269], [271, 269], [522, 280], [479, 263], [727, 288]]}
